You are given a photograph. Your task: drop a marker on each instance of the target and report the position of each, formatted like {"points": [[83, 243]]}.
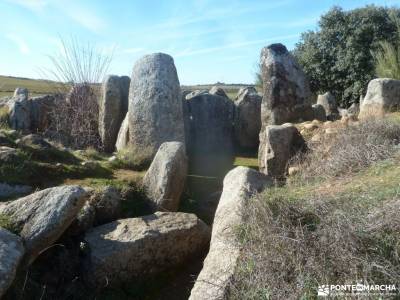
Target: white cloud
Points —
{"points": [[21, 44], [190, 52], [85, 18]]}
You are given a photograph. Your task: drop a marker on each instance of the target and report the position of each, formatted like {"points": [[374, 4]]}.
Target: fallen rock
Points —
{"points": [[137, 248], [279, 143], [240, 185], [286, 91], [42, 217], [112, 110], [5, 140], [11, 253], [196, 93], [34, 141], [165, 179], [155, 107], [216, 90], [383, 95], [8, 154], [247, 118], [328, 102]]}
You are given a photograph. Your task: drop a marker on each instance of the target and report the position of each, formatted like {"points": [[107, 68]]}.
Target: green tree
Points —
{"points": [[338, 56]]}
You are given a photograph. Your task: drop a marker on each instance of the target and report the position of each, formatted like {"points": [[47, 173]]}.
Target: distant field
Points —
{"points": [[41, 87], [35, 87]]}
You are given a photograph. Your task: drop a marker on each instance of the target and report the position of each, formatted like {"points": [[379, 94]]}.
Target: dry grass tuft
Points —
{"points": [[351, 149]]}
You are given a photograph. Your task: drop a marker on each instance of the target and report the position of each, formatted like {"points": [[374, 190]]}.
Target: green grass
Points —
{"points": [[35, 87], [330, 231]]}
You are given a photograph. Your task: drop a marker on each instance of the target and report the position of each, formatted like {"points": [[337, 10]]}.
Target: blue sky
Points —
{"points": [[210, 41]]}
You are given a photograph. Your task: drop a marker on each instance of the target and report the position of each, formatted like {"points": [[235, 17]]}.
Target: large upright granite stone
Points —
{"points": [[41, 109], [165, 179], [248, 118], [240, 185], [11, 253], [328, 101], [383, 95], [210, 132], [42, 217], [219, 91], [278, 144], [155, 107], [112, 110], [137, 248], [286, 91]]}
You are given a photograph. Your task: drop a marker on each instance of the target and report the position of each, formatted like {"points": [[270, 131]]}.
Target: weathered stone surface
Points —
{"points": [[41, 108], [319, 112], [383, 95], [7, 190], [247, 118], [165, 179], [155, 107], [112, 110], [210, 132], [278, 143], [220, 264], [42, 217], [8, 154], [196, 93], [21, 91], [20, 113], [286, 91], [123, 135], [216, 90], [33, 140], [328, 101], [11, 252], [139, 247]]}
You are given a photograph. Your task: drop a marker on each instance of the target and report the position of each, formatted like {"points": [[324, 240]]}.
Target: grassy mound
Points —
{"points": [[337, 222]]}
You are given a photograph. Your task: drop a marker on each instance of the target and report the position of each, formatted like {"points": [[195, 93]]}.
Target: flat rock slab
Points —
{"points": [[42, 217], [240, 185], [11, 252], [138, 247]]}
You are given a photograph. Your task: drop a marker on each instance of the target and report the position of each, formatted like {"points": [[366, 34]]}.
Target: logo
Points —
{"points": [[324, 290]]}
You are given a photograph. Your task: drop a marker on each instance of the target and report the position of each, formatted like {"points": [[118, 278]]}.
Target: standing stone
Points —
{"points": [[42, 217], [214, 280], [137, 248], [21, 91], [20, 112], [112, 110], [383, 95], [286, 91], [216, 90], [319, 112], [165, 179], [155, 107], [123, 135], [41, 108], [11, 252], [196, 93], [247, 118], [328, 101], [278, 143], [210, 134]]}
